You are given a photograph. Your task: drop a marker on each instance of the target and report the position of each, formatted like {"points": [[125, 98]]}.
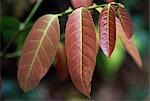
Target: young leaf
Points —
{"points": [[125, 20], [61, 62], [107, 29], [80, 45], [38, 52], [128, 44], [81, 3]]}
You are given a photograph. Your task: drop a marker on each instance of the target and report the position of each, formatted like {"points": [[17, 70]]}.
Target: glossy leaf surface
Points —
{"points": [[107, 29], [38, 52], [80, 45], [125, 20], [128, 44], [81, 3], [61, 63]]}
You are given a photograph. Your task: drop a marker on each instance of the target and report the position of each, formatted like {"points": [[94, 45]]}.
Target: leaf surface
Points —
{"points": [[61, 62], [128, 44], [107, 29], [125, 20], [38, 52], [81, 3], [80, 45]]}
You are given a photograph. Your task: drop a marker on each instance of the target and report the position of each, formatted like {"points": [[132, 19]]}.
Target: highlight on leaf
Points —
{"points": [[80, 45], [61, 62], [39, 51], [128, 44], [107, 29], [81, 3], [125, 20]]}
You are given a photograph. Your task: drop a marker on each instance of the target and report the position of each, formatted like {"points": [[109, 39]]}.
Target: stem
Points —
{"points": [[69, 10], [22, 26], [31, 13], [95, 6], [13, 55]]}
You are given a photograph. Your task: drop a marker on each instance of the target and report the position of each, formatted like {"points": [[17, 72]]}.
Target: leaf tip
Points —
{"points": [[108, 54], [25, 90], [88, 95], [140, 64]]}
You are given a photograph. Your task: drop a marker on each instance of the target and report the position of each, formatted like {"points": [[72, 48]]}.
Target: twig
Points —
{"points": [[69, 10]]}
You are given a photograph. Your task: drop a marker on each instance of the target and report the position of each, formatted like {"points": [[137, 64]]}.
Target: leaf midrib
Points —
{"points": [[81, 52]]}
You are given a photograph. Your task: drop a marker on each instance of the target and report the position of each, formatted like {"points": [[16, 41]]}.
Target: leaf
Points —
{"points": [[125, 20], [61, 62], [81, 3], [80, 45], [38, 52], [107, 29], [128, 44]]}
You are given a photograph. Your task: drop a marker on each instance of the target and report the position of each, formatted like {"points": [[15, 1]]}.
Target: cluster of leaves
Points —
{"points": [[81, 45]]}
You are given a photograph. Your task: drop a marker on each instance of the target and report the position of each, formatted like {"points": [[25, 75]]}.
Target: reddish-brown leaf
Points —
{"points": [[39, 50], [125, 20], [128, 44], [81, 3], [107, 29], [80, 45], [61, 63]]}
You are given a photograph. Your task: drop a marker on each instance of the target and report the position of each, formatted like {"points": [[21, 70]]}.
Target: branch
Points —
{"points": [[70, 10]]}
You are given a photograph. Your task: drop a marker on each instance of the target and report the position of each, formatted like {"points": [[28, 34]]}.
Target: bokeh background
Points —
{"points": [[116, 79]]}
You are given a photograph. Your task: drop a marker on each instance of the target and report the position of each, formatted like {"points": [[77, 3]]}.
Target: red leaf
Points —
{"points": [[81, 3], [61, 63], [107, 29], [39, 50], [80, 45], [125, 20], [128, 44]]}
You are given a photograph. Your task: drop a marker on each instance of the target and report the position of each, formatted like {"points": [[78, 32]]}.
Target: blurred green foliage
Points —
{"points": [[8, 27]]}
